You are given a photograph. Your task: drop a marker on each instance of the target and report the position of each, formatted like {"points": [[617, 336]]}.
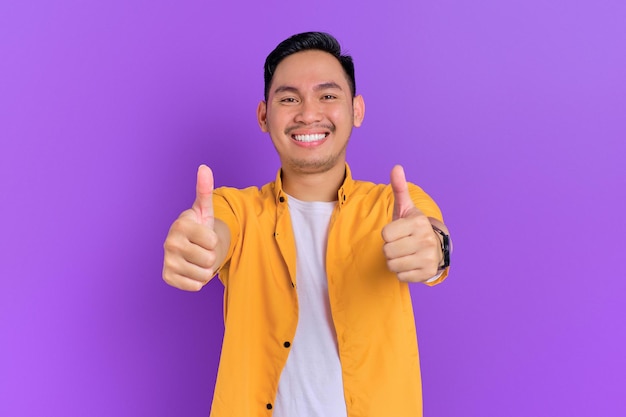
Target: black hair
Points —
{"points": [[303, 42]]}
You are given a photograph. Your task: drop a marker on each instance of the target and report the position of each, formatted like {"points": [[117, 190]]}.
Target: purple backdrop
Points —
{"points": [[511, 114]]}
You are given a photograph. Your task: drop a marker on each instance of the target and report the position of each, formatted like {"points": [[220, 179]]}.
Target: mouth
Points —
{"points": [[308, 138]]}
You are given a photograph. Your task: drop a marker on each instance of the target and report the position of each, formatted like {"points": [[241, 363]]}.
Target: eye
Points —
{"points": [[328, 97], [288, 100]]}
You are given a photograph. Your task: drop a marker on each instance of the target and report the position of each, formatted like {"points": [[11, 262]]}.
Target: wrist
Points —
{"points": [[444, 242]]}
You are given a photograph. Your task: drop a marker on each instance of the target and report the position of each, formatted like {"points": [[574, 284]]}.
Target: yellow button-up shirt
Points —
{"points": [[371, 309]]}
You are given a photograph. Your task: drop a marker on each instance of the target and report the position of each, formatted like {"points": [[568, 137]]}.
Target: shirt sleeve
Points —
{"points": [[428, 206], [424, 202], [224, 210]]}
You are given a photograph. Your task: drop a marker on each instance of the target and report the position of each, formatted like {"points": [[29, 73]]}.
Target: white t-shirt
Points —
{"points": [[311, 384]]}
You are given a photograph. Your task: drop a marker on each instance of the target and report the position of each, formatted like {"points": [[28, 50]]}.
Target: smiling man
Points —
{"points": [[315, 265], [309, 112]]}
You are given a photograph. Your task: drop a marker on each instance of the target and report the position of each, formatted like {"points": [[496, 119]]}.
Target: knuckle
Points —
{"points": [[206, 259], [170, 245], [405, 276], [210, 259], [387, 251], [183, 226], [419, 220], [385, 234], [178, 226], [171, 279], [433, 240], [195, 286], [169, 265]]}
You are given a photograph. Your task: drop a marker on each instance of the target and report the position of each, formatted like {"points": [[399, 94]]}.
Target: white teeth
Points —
{"points": [[309, 138]]}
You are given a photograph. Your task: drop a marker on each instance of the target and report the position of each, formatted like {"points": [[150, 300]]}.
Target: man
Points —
{"points": [[317, 309]]}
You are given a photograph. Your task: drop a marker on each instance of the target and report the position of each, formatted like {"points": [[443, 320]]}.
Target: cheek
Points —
{"points": [[276, 126], [278, 119], [270, 123], [342, 118]]}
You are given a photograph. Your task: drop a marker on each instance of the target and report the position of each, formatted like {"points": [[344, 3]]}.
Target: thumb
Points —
{"points": [[203, 206], [402, 198]]}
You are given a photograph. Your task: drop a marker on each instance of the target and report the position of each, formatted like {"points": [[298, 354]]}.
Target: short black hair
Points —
{"points": [[303, 42]]}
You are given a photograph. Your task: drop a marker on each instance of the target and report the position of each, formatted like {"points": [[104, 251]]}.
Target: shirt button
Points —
{"points": [[286, 344], [269, 406], [281, 199]]}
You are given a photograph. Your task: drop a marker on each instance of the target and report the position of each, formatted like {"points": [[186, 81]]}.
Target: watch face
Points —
{"points": [[445, 246], [446, 250]]}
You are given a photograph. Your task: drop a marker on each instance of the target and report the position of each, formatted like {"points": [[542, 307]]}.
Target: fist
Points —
{"points": [[190, 247], [412, 248]]}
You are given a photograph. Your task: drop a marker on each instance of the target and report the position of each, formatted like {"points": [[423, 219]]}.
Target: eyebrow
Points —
{"points": [[327, 86], [319, 87]]}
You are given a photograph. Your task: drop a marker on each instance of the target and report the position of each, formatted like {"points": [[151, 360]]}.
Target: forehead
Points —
{"points": [[307, 69]]}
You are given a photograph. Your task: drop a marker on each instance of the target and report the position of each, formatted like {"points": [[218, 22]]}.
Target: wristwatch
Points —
{"points": [[445, 247]]}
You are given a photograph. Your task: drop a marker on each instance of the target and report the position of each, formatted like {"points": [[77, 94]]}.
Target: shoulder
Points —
{"points": [[381, 195], [383, 191], [243, 199]]}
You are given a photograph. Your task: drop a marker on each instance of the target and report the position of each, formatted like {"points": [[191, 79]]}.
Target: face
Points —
{"points": [[310, 112]]}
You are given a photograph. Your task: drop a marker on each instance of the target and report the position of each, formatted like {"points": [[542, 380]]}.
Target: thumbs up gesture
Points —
{"points": [[194, 246], [412, 248]]}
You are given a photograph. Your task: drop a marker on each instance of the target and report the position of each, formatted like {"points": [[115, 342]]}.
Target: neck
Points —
{"points": [[322, 186]]}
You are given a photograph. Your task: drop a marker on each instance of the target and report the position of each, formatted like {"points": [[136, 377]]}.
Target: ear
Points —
{"points": [[261, 115], [358, 109]]}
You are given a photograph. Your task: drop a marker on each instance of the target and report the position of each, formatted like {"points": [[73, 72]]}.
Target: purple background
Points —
{"points": [[512, 115]]}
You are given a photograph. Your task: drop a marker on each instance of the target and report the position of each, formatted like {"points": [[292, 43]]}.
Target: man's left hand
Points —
{"points": [[412, 248]]}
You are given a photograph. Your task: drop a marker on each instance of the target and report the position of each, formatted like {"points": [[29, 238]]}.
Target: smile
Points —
{"points": [[310, 138]]}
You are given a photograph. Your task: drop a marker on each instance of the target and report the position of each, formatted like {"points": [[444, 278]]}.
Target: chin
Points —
{"points": [[312, 167]]}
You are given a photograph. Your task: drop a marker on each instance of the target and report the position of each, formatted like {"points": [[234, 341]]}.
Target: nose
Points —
{"points": [[309, 112]]}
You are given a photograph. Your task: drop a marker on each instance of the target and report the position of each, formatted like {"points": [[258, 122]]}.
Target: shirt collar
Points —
{"points": [[343, 194]]}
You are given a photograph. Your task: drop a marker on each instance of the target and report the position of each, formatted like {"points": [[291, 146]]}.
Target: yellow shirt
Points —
{"points": [[371, 308]]}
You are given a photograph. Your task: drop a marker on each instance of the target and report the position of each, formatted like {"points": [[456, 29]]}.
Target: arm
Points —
{"points": [[197, 243]]}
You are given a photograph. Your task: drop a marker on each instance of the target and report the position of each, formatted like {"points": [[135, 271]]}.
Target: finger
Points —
{"points": [[416, 275], [403, 264], [404, 246], [185, 275], [415, 223], [198, 255], [194, 273], [185, 283], [427, 260], [409, 269], [203, 205], [402, 198], [187, 229], [202, 237]]}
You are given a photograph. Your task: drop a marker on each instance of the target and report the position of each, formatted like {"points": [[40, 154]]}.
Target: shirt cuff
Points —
{"points": [[436, 277]]}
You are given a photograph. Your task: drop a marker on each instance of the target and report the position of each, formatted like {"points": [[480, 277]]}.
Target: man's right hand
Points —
{"points": [[193, 250]]}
